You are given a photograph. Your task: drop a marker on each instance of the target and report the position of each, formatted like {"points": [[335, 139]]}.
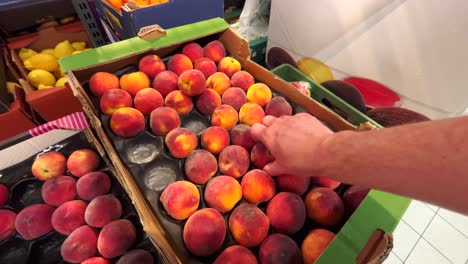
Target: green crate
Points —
{"points": [[258, 50], [319, 93]]}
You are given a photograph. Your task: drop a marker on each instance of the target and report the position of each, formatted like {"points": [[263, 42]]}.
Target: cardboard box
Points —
{"points": [[364, 238], [127, 22], [14, 122]]}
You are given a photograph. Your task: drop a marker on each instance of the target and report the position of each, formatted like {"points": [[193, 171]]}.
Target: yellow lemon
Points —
{"points": [[25, 53], [61, 82], [76, 52], [11, 87], [59, 73], [36, 77], [63, 49], [79, 45], [41, 87], [42, 61], [315, 69], [48, 51]]}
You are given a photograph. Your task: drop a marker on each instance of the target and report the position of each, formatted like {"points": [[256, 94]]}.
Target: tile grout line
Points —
{"points": [[420, 235], [450, 224], [395, 255], [437, 250]]}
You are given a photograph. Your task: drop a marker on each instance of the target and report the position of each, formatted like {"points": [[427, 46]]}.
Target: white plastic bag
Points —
{"points": [[253, 21]]}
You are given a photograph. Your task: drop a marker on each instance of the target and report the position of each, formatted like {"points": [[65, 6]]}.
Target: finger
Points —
{"points": [[274, 168], [268, 120], [258, 132]]}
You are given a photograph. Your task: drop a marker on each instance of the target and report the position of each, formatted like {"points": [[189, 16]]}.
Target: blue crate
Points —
{"points": [[86, 11]]}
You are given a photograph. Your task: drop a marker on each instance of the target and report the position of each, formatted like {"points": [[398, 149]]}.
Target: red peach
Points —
{"points": [[200, 166], [92, 185], [243, 80], [353, 197], [127, 122], [324, 182], [4, 195], [303, 87], [114, 99], [214, 139], [134, 82], [101, 82], [82, 161], [222, 193], [180, 102], [192, 82], [179, 63], [215, 50], [234, 97], [34, 221], [315, 244], [286, 212], [208, 101], [292, 183], [58, 190], [234, 161], [7, 225], [241, 136], [180, 199], [163, 120], [324, 206], [206, 66], [224, 116], [180, 142], [116, 238], [49, 165], [69, 216], [278, 107], [249, 225], [219, 82], [260, 156], [151, 65], [236, 255], [147, 100], [193, 51], [258, 186], [259, 93], [229, 66], [80, 245], [251, 113], [96, 260], [165, 82], [279, 248], [103, 210], [138, 256]]}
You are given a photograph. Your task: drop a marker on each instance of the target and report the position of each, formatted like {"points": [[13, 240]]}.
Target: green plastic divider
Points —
{"points": [[135, 45], [379, 210]]}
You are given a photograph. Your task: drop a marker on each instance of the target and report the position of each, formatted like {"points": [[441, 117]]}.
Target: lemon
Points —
{"points": [[76, 52], [48, 51], [25, 53], [59, 73], [11, 87], [61, 82], [41, 87], [63, 49], [42, 61], [36, 77], [79, 45], [67, 19], [315, 69]]}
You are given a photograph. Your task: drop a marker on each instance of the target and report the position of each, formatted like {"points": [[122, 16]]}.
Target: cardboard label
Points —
{"points": [[111, 17]]}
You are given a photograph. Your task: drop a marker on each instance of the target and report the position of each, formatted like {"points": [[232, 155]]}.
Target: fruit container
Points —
{"points": [[258, 50], [25, 190], [149, 166], [86, 11]]}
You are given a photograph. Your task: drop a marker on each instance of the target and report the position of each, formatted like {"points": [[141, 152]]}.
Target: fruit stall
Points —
{"points": [[141, 151]]}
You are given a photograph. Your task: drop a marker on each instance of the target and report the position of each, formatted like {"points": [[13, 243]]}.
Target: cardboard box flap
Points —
{"points": [[136, 45]]}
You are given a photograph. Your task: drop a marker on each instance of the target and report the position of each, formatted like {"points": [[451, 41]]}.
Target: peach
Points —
{"points": [[34, 221], [249, 225], [236, 255], [193, 50], [101, 82], [114, 99], [234, 97], [80, 245], [165, 82], [278, 107], [92, 185], [204, 232], [251, 113], [179, 63], [229, 66], [147, 100], [58, 190], [96, 260], [163, 120], [192, 82], [200, 166], [224, 116], [180, 102], [286, 212], [134, 82], [206, 66], [241, 136], [180, 199], [180, 142], [243, 80], [324, 206], [214, 139], [139, 256], [324, 182], [151, 65], [4, 195], [215, 50], [103, 210], [7, 225], [233, 161], [315, 244], [116, 238], [127, 122], [69, 216], [259, 93], [208, 101], [82, 161], [303, 87], [279, 248], [222, 193], [49, 165], [353, 197], [219, 82], [258, 186], [292, 183], [260, 156]]}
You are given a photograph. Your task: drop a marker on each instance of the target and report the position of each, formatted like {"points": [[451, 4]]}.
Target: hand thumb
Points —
{"points": [[274, 168]]}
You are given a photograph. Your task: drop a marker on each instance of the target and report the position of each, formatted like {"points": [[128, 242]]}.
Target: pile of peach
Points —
{"points": [[77, 205], [225, 159]]}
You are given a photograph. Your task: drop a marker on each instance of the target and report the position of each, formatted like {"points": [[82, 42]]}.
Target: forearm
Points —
{"points": [[426, 161]]}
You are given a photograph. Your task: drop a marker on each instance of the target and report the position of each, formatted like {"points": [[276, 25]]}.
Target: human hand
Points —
{"points": [[295, 143]]}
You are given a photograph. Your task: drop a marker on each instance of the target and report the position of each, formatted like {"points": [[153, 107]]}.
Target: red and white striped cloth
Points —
{"points": [[75, 121]]}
